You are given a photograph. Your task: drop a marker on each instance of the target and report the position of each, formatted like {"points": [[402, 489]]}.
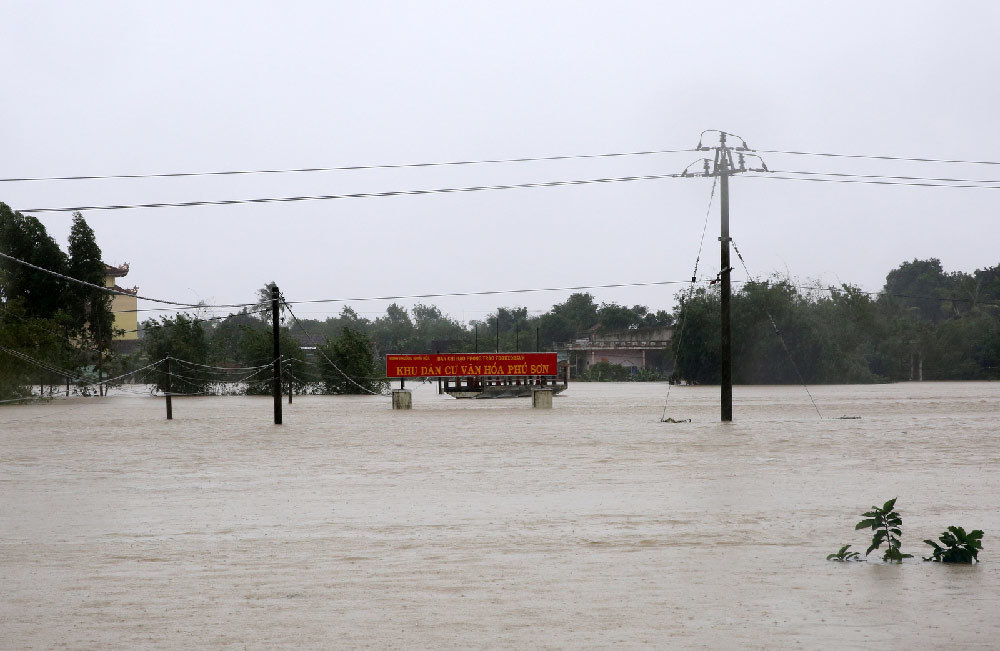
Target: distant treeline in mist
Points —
{"points": [[924, 322], [945, 325]]}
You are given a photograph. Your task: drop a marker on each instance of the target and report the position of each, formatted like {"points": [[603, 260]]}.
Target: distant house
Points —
{"points": [[125, 307], [635, 348]]}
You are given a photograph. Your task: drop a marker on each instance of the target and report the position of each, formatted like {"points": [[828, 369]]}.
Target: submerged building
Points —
{"points": [[635, 349], [125, 307]]}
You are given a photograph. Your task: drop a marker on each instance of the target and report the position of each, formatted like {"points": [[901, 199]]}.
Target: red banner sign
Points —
{"points": [[471, 364]]}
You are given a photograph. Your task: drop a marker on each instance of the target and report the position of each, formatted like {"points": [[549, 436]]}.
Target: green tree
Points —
{"points": [[89, 308], [696, 340], [348, 364], [22, 339], [920, 285], [25, 238], [256, 348], [181, 338], [394, 333]]}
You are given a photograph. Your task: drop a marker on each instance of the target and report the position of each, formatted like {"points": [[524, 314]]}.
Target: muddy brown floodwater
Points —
{"points": [[489, 524]]}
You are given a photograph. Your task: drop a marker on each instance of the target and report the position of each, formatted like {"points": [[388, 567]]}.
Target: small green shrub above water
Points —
{"points": [[886, 523], [843, 555], [956, 546], [959, 547]]}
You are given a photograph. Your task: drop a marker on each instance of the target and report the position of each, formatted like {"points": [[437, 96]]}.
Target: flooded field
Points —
{"points": [[489, 524]]}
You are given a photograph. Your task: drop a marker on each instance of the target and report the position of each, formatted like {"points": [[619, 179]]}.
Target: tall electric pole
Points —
{"points": [[723, 163], [723, 167], [276, 361]]}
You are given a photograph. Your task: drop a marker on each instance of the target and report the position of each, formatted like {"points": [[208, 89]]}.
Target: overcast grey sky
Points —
{"points": [[130, 88]]}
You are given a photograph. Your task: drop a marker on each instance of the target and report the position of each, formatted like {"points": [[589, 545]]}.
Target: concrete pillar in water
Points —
{"points": [[541, 398], [401, 399]]}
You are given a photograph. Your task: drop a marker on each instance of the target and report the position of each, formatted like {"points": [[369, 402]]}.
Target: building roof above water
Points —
{"points": [[116, 272]]}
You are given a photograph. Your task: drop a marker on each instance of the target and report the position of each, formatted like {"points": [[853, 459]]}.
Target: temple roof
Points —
{"points": [[126, 290], [116, 272]]}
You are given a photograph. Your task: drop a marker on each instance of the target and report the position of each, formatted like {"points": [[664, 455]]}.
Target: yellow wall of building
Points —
{"points": [[126, 318]]}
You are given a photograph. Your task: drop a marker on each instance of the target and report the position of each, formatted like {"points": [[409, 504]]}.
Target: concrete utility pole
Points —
{"points": [[724, 167], [276, 337], [723, 161]]}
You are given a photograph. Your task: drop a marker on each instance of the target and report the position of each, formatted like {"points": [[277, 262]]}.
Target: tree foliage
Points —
{"points": [[25, 238], [887, 525], [925, 321], [956, 546], [350, 364], [89, 308], [182, 338], [65, 327]]}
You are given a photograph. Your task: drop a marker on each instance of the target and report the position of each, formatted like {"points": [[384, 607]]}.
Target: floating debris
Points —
{"points": [[671, 420], [848, 417]]}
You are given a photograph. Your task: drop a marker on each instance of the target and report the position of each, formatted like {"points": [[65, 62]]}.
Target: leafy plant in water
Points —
{"points": [[959, 547], [886, 523], [843, 555]]}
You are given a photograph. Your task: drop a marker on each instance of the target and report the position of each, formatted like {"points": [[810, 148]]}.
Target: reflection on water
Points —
{"points": [[487, 523]]}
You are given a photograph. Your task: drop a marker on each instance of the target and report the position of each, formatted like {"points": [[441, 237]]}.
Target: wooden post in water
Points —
{"points": [[170, 406], [276, 336]]}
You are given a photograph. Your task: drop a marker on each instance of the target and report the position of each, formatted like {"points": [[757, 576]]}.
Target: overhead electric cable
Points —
{"points": [[781, 338], [886, 176], [488, 292], [878, 157], [357, 195], [110, 290], [683, 321], [347, 168], [874, 182], [319, 349]]}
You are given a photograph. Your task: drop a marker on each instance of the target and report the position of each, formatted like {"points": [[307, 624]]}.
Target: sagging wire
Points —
{"points": [[877, 157], [358, 195], [777, 332], [874, 182], [81, 383], [320, 351], [110, 290], [694, 280], [346, 168]]}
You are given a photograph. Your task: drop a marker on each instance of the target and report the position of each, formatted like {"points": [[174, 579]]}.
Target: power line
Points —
{"points": [[358, 195], [109, 290], [874, 182], [347, 168], [488, 292], [887, 176], [777, 331], [879, 157], [319, 349]]}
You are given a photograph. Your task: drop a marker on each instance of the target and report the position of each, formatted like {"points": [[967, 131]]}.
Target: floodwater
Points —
{"points": [[490, 524]]}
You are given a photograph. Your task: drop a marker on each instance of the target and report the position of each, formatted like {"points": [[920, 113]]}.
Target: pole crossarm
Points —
{"points": [[723, 154]]}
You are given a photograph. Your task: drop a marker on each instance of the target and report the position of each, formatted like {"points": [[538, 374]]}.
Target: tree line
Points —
{"points": [[64, 325], [943, 325], [924, 323]]}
